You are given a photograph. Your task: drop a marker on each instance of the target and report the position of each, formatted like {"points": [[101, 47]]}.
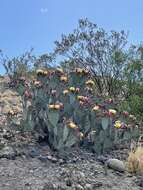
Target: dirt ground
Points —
{"points": [[39, 169]]}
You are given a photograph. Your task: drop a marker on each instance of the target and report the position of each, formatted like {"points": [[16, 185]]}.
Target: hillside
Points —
{"points": [[26, 165]]}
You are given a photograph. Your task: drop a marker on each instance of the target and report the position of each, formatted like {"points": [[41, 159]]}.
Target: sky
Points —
{"points": [[26, 24]]}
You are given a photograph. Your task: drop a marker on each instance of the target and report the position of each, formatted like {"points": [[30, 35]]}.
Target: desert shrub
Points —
{"points": [[17, 67], [104, 54], [133, 80], [134, 104]]}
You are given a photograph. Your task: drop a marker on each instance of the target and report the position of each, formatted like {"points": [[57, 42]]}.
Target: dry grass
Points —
{"points": [[135, 158]]}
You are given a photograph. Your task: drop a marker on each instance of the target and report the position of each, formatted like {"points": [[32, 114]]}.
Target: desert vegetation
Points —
{"points": [[90, 100]]}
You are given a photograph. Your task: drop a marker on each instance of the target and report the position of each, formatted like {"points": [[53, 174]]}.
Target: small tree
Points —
{"points": [[18, 66], [133, 78], [102, 53]]}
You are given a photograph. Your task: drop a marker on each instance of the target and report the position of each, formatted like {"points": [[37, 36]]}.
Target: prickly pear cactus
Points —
{"points": [[67, 105]]}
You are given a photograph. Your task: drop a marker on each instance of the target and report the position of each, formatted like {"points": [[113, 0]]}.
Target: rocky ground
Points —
{"points": [[34, 172], [26, 165]]}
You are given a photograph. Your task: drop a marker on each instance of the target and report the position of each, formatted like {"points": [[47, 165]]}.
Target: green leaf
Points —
{"points": [[102, 136], [87, 124], [56, 130], [72, 139], [98, 147], [53, 116], [72, 98], [65, 133], [105, 123], [108, 143]]}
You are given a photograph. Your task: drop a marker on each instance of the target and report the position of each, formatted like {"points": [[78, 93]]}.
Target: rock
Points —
{"points": [[116, 164], [68, 182], [33, 153], [81, 175], [79, 187], [43, 158], [139, 181], [49, 186], [54, 160], [97, 184], [102, 159], [61, 161], [46, 158], [88, 187], [7, 152]]}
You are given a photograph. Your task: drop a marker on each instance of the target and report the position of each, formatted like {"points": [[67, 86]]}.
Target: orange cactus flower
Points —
{"points": [[56, 106], [45, 73], [80, 98], [65, 92], [51, 106], [78, 70], [39, 71], [72, 125], [60, 70], [81, 71], [63, 79], [90, 83]]}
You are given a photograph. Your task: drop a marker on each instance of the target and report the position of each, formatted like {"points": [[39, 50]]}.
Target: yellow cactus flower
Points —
{"points": [[51, 106], [85, 71], [63, 79], [78, 70], [57, 106], [112, 111], [37, 83], [95, 108], [90, 82], [89, 89], [45, 72], [81, 71], [59, 70], [39, 71], [118, 124], [81, 135], [80, 98], [65, 92], [72, 125], [72, 89]]}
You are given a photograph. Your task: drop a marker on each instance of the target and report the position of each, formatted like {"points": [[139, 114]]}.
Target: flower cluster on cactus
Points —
{"points": [[63, 103]]}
